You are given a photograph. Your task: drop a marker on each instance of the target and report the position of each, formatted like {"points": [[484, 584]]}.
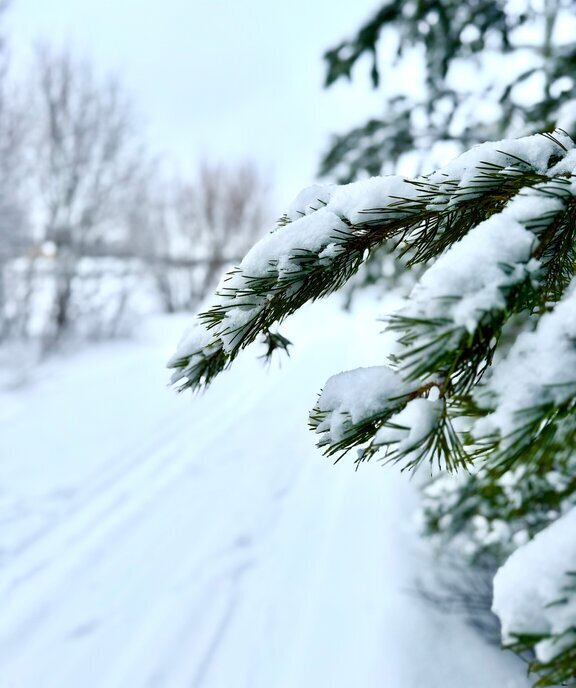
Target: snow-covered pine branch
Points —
{"points": [[485, 224], [485, 368], [489, 218], [329, 231], [495, 228]]}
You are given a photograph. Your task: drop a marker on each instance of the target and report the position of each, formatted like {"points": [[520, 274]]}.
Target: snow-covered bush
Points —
{"points": [[484, 374], [477, 518], [486, 514], [535, 598]]}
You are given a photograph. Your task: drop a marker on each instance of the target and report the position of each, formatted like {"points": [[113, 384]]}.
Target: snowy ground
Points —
{"points": [[149, 539]]}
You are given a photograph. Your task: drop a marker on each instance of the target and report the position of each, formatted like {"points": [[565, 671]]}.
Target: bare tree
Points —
{"points": [[88, 162], [188, 233], [228, 208], [14, 226], [158, 240]]}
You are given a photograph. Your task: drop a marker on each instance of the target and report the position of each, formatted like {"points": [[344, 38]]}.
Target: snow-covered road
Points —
{"points": [[149, 539]]}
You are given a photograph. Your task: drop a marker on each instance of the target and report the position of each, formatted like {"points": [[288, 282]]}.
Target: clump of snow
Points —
{"points": [[536, 151], [540, 368], [530, 590], [309, 200], [309, 233], [374, 198], [411, 426], [468, 280], [330, 252], [357, 395], [567, 165], [534, 203]]}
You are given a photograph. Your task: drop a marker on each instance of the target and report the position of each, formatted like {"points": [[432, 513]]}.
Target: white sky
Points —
{"points": [[218, 80]]}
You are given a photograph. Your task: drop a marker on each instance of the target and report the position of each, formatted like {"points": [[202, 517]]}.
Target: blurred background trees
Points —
{"points": [[94, 228], [87, 163], [189, 231]]}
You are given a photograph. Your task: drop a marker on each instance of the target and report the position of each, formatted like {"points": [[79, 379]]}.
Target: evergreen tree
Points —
{"points": [[489, 69], [484, 375], [451, 75]]}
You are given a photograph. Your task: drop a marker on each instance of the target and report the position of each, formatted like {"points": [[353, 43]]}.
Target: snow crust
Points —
{"points": [[540, 368], [309, 200], [530, 590]]}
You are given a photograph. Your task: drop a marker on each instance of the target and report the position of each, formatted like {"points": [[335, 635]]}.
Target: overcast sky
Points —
{"points": [[220, 79]]}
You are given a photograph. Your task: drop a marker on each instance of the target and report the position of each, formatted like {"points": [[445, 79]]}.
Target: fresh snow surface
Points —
{"points": [[156, 540], [530, 587]]}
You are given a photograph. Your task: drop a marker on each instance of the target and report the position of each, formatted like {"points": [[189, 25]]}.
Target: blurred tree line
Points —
{"points": [[90, 221]]}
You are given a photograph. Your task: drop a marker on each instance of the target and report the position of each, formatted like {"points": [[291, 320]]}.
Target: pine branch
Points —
{"points": [[319, 250]]}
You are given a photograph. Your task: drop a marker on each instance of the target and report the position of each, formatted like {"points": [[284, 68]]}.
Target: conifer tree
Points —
{"points": [[484, 375], [489, 69], [451, 75]]}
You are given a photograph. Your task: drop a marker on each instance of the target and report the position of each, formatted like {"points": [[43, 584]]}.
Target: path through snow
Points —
{"points": [[149, 539]]}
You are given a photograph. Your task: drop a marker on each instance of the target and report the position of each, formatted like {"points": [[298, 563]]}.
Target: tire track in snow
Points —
{"points": [[117, 477], [107, 518], [198, 566]]}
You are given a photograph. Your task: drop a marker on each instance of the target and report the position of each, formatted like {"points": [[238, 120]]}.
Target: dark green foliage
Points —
{"points": [[558, 672]]}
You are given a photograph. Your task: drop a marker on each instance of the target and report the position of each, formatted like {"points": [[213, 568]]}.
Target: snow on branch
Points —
{"points": [[377, 411], [467, 294], [530, 395], [535, 599], [329, 231]]}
